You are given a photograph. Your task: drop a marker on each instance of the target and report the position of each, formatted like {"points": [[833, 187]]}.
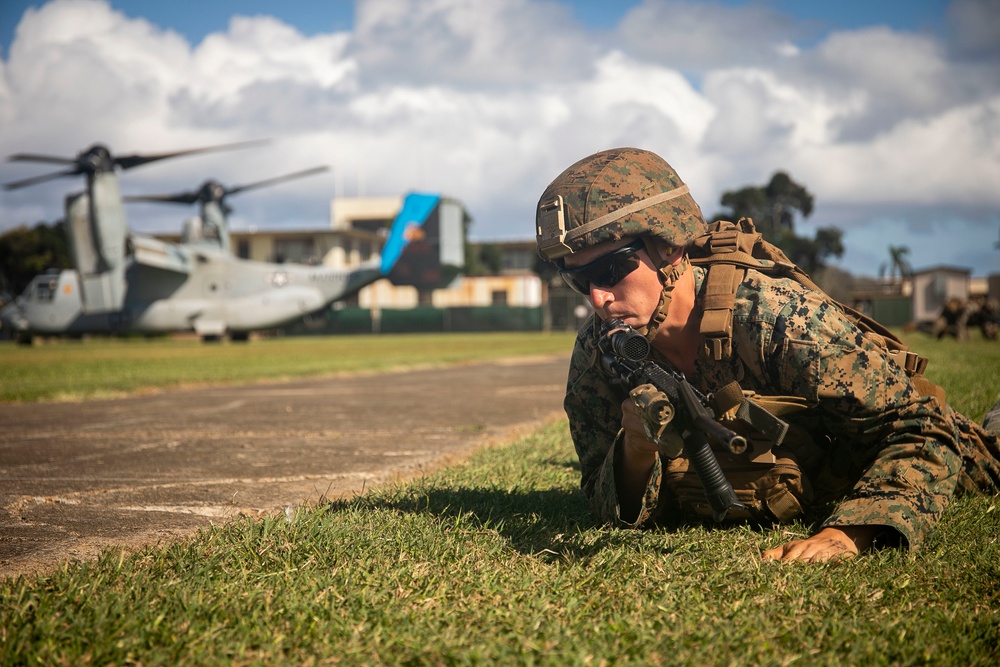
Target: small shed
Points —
{"points": [[932, 287]]}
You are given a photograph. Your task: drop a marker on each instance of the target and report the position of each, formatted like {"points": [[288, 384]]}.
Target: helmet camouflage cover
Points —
{"points": [[613, 194]]}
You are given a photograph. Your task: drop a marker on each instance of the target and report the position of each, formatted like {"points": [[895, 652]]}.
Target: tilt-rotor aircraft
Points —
{"points": [[127, 282]]}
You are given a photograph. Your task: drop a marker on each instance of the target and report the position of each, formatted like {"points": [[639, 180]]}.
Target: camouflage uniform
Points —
{"points": [[882, 453]]}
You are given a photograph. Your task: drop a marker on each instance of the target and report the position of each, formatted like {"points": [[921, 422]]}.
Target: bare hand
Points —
{"points": [[828, 544]]}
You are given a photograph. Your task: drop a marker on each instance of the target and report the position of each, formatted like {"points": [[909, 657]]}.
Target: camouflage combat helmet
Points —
{"points": [[612, 194]]}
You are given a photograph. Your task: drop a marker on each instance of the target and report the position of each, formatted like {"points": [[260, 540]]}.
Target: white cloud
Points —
{"points": [[974, 28], [697, 37], [469, 42], [487, 101], [899, 77], [759, 112], [622, 85], [77, 60], [263, 49], [949, 159]]}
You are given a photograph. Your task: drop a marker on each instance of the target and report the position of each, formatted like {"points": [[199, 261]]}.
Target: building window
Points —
{"points": [[375, 225], [939, 287], [302, 251], [499, 297], [517, 260]]}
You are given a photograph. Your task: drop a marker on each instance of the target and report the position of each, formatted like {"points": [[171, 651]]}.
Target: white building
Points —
{"points": [[934, 286], [358, 230]]}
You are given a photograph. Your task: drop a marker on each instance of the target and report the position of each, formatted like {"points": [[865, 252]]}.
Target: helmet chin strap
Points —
{"points": [[669, 274]]}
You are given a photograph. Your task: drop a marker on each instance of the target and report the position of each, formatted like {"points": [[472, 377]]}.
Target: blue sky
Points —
{"points": [[887, 111], [196, 18]]}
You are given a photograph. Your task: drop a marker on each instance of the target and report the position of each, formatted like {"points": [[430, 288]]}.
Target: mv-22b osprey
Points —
{"points": [[126, 282]]}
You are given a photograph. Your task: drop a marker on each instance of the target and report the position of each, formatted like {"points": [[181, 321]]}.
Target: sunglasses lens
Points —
{"points": [[617, 268], [578, 282], [605, 271]]}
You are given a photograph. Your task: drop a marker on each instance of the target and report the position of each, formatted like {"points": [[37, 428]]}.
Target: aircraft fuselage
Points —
{"points": [[208, 292]]}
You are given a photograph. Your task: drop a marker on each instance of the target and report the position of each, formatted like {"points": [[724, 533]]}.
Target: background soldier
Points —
{"points": [[953, 320], [987, 318]]}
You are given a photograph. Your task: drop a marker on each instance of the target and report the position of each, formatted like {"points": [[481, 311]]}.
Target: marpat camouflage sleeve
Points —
{"points": [[899, 447]]}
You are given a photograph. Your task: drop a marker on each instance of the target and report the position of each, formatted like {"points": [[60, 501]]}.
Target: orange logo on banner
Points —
{"points": [[413, 233]]}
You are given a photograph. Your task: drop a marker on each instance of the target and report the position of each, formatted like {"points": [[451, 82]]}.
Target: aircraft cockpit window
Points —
{"points": [[45, 290]]}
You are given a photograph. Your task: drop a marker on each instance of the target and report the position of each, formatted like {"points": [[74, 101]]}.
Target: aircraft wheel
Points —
{"points": [[211, 338], [24, 339], [239, 336]]}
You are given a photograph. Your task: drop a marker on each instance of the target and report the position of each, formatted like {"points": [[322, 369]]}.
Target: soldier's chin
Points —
{"points": [[630, 320]]}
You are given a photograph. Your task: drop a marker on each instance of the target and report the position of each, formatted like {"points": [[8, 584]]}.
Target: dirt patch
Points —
{"points": [[80, 477]]}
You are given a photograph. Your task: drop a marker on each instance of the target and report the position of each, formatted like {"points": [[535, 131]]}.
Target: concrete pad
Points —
{"points": [[78, 477]]}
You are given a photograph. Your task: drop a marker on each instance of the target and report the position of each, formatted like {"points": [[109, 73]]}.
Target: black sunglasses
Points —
{"points": [[605, 271]]}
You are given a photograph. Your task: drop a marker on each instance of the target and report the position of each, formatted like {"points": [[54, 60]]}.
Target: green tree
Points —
{"points": [[492, 257], [547, 271], [773, 208], [483, 259], [25, 252]]}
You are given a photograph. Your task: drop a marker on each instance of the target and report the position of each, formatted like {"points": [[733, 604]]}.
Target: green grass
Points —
{"points": [[969, 371], [497, 561], [103, 368]]}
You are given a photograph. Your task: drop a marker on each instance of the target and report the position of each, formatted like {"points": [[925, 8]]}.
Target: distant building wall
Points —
{"points": [[523, 291], [510, 290], [350, 212], [932, 287]]}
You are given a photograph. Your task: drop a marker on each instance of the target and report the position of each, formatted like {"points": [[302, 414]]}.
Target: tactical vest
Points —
{"points": [[767, 479]]}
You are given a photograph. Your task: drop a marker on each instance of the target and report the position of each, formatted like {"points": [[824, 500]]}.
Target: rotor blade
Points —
{"points": [[33, 157], [276, 180], [129, 161], [182, 198], [14, 185]]}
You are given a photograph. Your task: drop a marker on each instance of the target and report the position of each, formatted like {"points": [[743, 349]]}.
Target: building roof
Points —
{"points": [[944, 269]]}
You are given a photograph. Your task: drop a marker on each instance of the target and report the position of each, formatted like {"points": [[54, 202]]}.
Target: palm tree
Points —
{"points": [[897, 264]]}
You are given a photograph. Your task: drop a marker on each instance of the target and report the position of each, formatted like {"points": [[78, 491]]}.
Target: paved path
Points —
{"points": [[78, 477]]}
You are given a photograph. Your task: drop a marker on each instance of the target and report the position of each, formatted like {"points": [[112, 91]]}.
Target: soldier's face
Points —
{"points": [[636, 295]]}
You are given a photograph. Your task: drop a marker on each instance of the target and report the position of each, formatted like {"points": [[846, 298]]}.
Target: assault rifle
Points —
{"points": [[665, 396]]}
